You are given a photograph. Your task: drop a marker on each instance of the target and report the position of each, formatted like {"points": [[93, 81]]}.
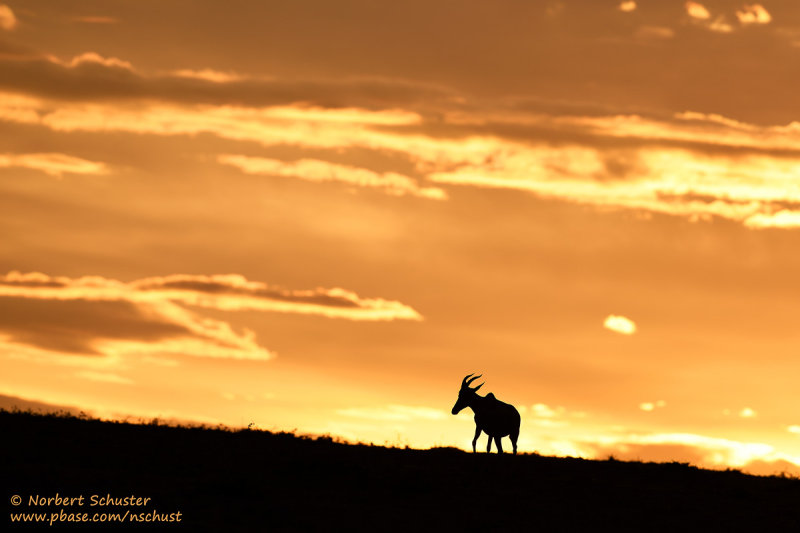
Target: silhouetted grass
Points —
{"points": [[224, 479]]}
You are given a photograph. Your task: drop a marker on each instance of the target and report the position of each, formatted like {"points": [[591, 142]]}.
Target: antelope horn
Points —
{"points": [[471, 379], [479, 386]]}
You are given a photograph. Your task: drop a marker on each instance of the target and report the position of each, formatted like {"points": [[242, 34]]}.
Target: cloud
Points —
{"points": [[747, 413], [96, 19], [547, 416], [620, 324], [7, 19], [234, 293], [697, 10], [53, 164], [320, 171], [794, 429], [780, 219], [694, 165], [394, 413], [105, 317], [208, 74], [39, 326], [703, 451], [720, 25], [651, 406], [544, 411], [90, 76], [230, 292], [753, 14], [627, 6], [673, 173], [94, 59], [104, 377]]}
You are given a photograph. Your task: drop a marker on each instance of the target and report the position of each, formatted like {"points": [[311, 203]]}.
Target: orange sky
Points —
{"points": [[322, 215]]}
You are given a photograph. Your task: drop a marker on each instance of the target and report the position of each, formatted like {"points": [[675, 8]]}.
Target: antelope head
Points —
{"points": [[467, 394]]}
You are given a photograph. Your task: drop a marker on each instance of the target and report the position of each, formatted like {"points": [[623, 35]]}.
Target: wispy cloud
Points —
{"points": [[100, 316], [720, 25], [627, 6], [208, 74], [90, 75], [96, 19], [544, 411], [321, 171], [8, 21], [544, 415], [53, 164], [692, 164], [104, 377], [229, 292]]}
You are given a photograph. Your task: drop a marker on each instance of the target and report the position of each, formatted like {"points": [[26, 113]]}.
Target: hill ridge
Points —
{"points": [[220, 478]]}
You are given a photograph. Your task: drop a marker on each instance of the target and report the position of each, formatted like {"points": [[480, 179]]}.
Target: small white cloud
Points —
{"points": [[698, 11], [651, 406], [7, 19], [620, 324], [794, 429], [627, 6], [720, 25], [747, 413], [753, 14]]}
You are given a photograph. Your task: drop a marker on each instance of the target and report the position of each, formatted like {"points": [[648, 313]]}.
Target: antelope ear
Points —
{"points": [[479, 386]]}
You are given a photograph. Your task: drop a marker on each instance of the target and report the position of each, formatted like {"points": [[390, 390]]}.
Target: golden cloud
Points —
{"points": [[96, 19], [753, 14], [692, 164], [53, 164], [229, 292], [703, 451], [697, 10], [620, 324], [320, 171], [99, 316], [651, 406], [7, 19]]}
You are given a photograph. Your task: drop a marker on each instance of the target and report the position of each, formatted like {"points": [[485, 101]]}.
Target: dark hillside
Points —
{"points": [[258, 481]]}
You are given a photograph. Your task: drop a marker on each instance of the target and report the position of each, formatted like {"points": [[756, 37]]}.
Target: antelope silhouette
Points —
{"points": [[495, 418]]}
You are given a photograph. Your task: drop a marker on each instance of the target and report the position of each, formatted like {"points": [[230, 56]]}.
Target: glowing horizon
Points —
{"points": [[325, 226]]}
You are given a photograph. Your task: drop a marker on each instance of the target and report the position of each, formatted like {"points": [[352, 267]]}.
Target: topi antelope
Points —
{"points": [[495, 418]]}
